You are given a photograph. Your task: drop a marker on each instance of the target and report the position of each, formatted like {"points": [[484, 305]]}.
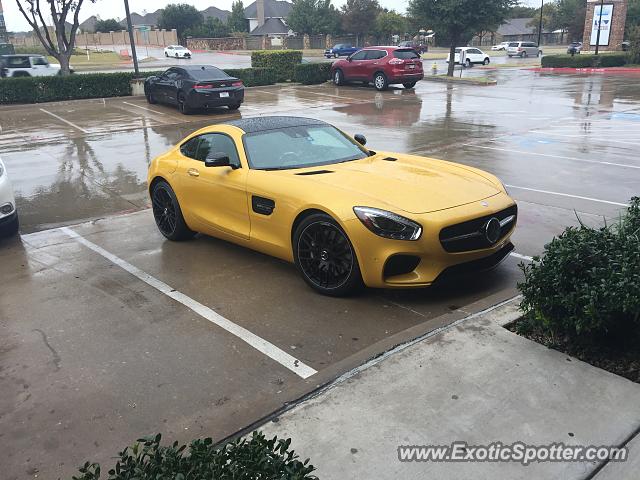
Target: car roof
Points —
{"points": [[389, 48], [260, 124]]}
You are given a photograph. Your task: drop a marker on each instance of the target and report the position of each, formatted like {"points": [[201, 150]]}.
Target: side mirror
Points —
{"points": [[218, 159], [361, 139], [349, 59]]}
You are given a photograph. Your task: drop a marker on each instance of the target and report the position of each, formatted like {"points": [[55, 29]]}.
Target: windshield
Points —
{"points": [[179, 48], [299, 147]]}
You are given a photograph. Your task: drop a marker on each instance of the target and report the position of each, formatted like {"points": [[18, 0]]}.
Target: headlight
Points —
{"points": [[388, 224], [504, 187]]}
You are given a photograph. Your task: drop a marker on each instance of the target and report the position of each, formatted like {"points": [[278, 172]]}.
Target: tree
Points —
{"points": [[313, 17], [236, 20], [180, 16], [521, 11], [459, 20], [59, 45], [633, 17], [549, 18], [390, 23], [358, 16], [212, 27], [108, 25], [570, 16]]}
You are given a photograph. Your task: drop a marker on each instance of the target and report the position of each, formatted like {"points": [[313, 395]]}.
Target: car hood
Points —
{"points": [[410, 183]]}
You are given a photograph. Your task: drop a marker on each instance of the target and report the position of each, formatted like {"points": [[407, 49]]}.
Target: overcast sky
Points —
{"points": [[115, 8]]}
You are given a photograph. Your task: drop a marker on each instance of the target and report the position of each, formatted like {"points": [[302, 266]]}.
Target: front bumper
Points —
{"points": [[211, 98], [432, 260]]}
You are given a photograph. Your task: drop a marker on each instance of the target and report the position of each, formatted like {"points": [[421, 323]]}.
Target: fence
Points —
{"points": [[153, 37]]}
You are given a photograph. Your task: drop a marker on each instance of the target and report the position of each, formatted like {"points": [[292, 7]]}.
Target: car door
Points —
{"points": [[215, 197], [373, 63], [40, 66], [166, 87], [354, 68]]}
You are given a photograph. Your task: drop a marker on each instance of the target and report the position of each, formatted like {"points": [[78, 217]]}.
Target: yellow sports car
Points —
{"points": [[301, 190]]}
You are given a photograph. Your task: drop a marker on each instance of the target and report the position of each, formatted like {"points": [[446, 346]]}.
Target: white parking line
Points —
{"points": [[144, 108], [263, 346], [65, 121], [584, 160], [521, 257], [568, 195]]}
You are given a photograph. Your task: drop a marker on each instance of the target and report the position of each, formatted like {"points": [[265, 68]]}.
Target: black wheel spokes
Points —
{"points": [[325, 255], [164, 211]]}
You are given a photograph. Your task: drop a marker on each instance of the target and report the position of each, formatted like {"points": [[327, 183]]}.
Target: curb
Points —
{"points": [[618, 70], [466, 81]]}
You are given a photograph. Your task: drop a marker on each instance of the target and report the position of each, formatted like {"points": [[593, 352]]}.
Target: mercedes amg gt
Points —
{"points": [[301, 190]]}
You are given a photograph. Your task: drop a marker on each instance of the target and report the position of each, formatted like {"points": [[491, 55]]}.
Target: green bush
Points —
{"points": [[585, 61], [253, 77], [252, 459], [282, 62], [587, 281], [310, 73]]}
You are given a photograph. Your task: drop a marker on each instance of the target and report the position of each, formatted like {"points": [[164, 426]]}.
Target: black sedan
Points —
{"points": [[195, 87]]}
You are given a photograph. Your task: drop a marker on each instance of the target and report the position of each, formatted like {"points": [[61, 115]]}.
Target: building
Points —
{"points": [[268, 17], [612, 23]]}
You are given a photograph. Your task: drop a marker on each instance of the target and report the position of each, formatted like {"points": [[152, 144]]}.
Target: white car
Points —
{"points": [[177, 51], [500, 46], [27, 66], [8, 212], [472, 55]]}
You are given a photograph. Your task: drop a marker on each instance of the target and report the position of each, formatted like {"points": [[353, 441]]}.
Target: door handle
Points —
{"points": [[193, 172]]}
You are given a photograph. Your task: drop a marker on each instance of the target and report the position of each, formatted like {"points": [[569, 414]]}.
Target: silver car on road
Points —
{"points": [[523, 49]]}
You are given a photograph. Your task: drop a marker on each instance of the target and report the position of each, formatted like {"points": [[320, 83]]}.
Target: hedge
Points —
{"points": [[98, 85], [282, 62], [310, 73], [247, 459], [585, 61]]}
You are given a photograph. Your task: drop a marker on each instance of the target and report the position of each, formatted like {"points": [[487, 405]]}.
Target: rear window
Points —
{"points": [[209, 73], [514, 44], [405, 54]]}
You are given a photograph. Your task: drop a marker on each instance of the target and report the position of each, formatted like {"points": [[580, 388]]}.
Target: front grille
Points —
{"points": [[470, 235]]}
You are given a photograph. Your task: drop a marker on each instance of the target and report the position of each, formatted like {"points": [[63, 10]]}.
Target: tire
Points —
{"points": [[325, 256], [177, 56], [235, 106], [467, 63], [523, 55], [10, 229], [380, 81], [487, 61], [151, 99], [166, 54], [167, 213], [338, 77], [409, 85], [335, 55], [183, 108]]}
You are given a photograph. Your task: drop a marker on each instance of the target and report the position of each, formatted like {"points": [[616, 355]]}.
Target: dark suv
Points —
{"points": [[382, 66]]}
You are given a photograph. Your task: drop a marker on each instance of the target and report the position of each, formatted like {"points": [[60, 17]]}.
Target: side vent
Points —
{"points": [[263, 206], [315, 172], [390, 159]]}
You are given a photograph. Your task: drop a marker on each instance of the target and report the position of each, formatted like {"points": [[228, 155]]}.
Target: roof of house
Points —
{"points": [[216, 12], [89, 25], [519, 26], [271, 26], [272, 9], [150, 18]]}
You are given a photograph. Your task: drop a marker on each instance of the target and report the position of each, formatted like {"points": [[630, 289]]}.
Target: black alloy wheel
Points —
{"points": [[325, 257], [167, 213], [182, 105]]}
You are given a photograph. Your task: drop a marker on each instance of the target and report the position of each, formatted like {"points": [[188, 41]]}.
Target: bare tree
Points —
{"points": [[61, 46]]}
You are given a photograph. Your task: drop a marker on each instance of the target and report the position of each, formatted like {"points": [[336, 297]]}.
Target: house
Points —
{"points": [[268, 17], [216, 12], [89, 25], [524, 30]]}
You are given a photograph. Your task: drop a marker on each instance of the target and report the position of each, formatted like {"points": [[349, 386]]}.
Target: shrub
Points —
{"points": [[253, 77], [310, 73], [634, 40], [255, 458], [584, 61], [586, 282], [282, 62]]}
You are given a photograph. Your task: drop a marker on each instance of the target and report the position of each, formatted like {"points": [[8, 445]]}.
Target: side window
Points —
{"points": [[359, 55], [39, 61], [190, 147], [217, 142], [375, 54]]}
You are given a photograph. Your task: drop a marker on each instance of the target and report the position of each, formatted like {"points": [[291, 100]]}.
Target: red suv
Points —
{"points": [[383, 66]]}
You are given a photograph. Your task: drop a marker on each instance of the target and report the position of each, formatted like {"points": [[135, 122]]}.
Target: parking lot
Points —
{"points": [[110, 332]]}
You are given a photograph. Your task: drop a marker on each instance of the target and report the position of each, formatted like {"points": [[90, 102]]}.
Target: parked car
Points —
{"points": [[27, 66], [472, 55], [500, 47], [340, 50], [626, 45], [303, 191], [193, 87], [574, 47], [383, 66], [8, 213], [177, 51], [418, 47], [523, 49]]}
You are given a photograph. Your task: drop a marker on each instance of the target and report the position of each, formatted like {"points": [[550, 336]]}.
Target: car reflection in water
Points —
{"points": [[387, 110]]}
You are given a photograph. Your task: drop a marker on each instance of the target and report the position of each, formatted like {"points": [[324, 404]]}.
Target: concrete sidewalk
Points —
{"points": [[476, 382]]}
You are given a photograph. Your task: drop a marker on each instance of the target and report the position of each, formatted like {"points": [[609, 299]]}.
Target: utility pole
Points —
{"points": [[599, 27], [540, 25], [131, 40]]}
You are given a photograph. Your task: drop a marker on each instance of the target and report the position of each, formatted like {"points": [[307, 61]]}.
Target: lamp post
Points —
{"points": [[131, 40], [599, 27], [540, 24]]}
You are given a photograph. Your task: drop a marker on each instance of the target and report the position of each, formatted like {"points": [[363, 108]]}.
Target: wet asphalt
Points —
{"points": [[92, 357]]}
